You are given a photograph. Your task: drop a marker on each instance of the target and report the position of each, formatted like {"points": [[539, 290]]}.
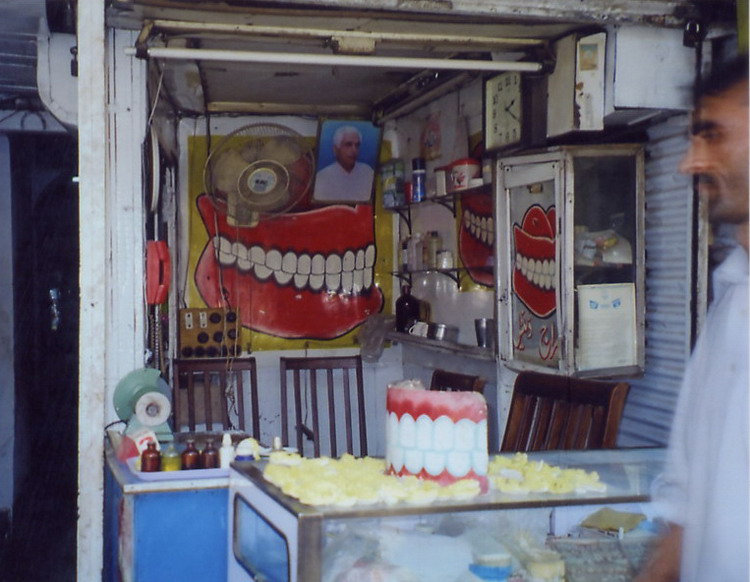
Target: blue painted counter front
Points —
{"points": [[163, 531]]}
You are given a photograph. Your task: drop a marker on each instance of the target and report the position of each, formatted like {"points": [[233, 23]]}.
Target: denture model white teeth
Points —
{"points": [[446, 442]]}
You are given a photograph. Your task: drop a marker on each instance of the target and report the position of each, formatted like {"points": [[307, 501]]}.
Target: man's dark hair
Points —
{"points": [[724, 76]]}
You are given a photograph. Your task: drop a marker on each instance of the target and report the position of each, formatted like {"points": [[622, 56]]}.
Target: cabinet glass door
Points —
{"points": [[604, 247], [531, 265]]}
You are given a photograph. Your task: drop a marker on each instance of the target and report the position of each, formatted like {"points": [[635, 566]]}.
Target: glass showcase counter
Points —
{"points": [[494, 536]]}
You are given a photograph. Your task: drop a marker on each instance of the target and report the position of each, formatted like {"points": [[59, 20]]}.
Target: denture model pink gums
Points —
{"points": [[436, 435]]}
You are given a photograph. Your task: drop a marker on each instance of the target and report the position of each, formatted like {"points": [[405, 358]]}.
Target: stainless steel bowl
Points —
{"points": [[442, 332]]}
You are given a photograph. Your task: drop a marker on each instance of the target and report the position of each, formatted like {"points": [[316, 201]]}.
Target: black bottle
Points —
{"points": [[407, 309]]}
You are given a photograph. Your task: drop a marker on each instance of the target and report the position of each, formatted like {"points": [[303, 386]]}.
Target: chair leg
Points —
{"points": [[284, 411], [254, 404], [348, 413], [362, 409], [316, 419], [332, 412], [298, 409]]}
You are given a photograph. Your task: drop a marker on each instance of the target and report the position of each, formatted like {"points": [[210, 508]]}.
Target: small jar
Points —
{"points": [[209, 456], [170, 460], [190, 456], [150, 459]]}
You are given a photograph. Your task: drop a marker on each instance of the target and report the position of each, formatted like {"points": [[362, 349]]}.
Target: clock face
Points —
{"points": [[503, 110]]}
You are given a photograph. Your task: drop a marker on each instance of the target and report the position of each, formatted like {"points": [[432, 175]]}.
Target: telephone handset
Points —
{"points": [[158, 272]]}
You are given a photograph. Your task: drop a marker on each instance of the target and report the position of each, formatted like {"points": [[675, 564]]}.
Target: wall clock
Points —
{"points": [[512, 112]]}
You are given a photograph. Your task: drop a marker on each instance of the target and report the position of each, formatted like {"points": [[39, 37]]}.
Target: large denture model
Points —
{"points": [[534, 268], [306, 274], [437, 435]]}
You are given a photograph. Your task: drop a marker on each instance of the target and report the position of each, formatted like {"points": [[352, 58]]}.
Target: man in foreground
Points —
{"points": [[704, 490]]}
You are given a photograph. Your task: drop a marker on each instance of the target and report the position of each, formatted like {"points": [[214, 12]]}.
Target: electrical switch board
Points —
{"points": [[209, 333]]}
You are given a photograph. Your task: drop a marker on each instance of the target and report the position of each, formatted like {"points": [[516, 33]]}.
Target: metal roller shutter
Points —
{"points": [[669, 287]]}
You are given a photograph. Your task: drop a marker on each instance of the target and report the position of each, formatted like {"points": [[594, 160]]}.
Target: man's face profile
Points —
{"points": [[718, 154], [347, 151]]}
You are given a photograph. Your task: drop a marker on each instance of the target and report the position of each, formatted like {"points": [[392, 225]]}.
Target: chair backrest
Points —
{"points": [[211, 392], [325, 388], [455, 382], [550, 412]]}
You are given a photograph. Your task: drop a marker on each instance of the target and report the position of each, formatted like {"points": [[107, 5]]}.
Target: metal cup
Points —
{"points": [[485, 328]]}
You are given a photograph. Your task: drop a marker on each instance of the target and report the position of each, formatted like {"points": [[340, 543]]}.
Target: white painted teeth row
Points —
{"points": [[481, 228], [538, 271], [436, 445], [351, 273]]}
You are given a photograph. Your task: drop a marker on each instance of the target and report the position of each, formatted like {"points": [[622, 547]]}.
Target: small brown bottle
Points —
{"points": [[209, 456], [150, 459], [190, 456]]}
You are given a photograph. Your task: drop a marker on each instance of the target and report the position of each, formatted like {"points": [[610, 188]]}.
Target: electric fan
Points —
{"points": [[259, 171], [142, 400]]}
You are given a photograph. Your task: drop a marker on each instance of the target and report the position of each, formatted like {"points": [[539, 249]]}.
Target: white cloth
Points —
{"points": [[334, 183], [706, 481]]}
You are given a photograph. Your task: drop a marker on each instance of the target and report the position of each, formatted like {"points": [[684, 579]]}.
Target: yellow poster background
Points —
{"points": [[197, 239]]}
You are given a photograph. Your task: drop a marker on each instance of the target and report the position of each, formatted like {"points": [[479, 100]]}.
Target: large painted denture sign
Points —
{"points": [[299, 275], [476, 238], [437, 435], [534, 270]]}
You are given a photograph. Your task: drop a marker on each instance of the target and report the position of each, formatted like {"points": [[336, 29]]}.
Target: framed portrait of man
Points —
{"points": [[347, 157]]}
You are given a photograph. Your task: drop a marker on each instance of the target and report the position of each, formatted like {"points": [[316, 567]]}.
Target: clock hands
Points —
{"points": [[509, 112]]}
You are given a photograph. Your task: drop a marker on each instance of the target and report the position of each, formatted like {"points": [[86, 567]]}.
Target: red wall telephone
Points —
{"points": [[158, 272]]}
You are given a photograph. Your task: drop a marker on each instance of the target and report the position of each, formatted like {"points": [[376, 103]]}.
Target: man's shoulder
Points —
{"points": [[363, 168], [329, 169]]}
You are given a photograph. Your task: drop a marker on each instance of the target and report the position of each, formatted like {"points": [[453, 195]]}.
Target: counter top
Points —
{"points": [[628, 474], [131, 483]]}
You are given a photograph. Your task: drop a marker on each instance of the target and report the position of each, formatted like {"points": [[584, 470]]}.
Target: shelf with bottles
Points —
{"points": [[447, 201]]}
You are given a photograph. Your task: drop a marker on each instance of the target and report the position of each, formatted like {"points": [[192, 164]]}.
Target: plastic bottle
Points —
{"points": [[415, 251], [190, 457], [209, 456], [150, 459], [404, 258], [418, 175], [434, 245], [170, 459], [407, 309], [226, 452]]}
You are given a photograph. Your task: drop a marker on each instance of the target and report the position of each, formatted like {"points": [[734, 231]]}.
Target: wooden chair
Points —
{"points": [[211, 392], [550, 412], [325, 385], [455, 382]]}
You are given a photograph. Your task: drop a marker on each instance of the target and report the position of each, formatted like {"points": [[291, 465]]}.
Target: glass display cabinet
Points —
{"points": [[276, 538], [570, 255]]}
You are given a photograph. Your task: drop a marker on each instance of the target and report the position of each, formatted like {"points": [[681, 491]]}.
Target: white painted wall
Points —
{"points": [[460, 115], [7, 386]]}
